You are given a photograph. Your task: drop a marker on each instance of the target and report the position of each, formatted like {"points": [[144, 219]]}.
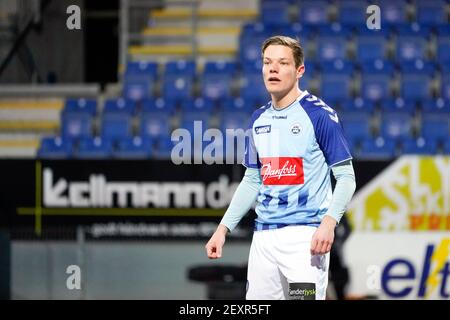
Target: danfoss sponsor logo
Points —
{"points": [[402, 278], [282, 171]]}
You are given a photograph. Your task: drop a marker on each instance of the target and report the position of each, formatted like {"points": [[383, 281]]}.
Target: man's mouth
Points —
{"points": [[274, 79]]}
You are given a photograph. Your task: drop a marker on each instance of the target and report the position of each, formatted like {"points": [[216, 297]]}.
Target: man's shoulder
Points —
{"points": [[316, 107], [258, 112]]}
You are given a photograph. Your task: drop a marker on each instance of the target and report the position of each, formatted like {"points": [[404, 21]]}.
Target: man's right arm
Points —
{"points": [[243, 199]]}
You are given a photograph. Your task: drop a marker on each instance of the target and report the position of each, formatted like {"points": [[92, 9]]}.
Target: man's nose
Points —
{"points": [[273, 68]]}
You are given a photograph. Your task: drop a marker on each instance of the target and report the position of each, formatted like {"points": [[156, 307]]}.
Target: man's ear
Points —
{"points": [[300, 71]]}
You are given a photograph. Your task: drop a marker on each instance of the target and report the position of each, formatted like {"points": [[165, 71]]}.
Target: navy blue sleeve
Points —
{"points": [[330, 136], [327, 129]]}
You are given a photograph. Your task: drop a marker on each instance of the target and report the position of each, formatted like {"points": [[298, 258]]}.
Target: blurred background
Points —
{"points": [[93, 207]]}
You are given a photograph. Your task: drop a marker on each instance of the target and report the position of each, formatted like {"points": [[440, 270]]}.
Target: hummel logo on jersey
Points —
{"points": [[263, 129], [282, 171], [279, 117]]}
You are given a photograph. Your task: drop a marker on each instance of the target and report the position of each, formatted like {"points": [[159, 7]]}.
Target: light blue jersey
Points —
{"points": [[294, 149]]}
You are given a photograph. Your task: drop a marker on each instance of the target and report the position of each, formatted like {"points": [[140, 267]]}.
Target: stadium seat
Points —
{"points": [[77, 118], [94, 148], [154, 125], [352, 12], [160, 105], [116, 125], [330, 48], [314, 13], [443, 49], [430, 12], [119, 106], [357, 125], [398, 105], [239, 104], [437, 106], [396, 125], [370, 47], [335, 87], [274, 12], [410, 48], [435, 128], [445, 86], [178, 79], [217, 79], [133, 148], [55, 148], [198, 105], [446, 147], [358, 105], [416, 79], [375, 86], [377, 149], [253, 88], [139, 79], [163, 147], [393, 12], [420, 146]]}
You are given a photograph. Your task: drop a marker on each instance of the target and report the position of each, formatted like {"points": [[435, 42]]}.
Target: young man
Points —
{"points": [[295, 140]]}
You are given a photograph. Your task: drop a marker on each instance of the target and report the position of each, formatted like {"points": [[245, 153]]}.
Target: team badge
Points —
{"points": [[296, 129]]}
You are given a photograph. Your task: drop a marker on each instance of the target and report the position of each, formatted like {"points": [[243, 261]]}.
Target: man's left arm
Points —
{"points": [[343, 191]]}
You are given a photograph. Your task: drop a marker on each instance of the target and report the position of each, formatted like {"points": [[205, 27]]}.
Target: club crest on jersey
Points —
{"points": [[263, 129], [296, 129]]}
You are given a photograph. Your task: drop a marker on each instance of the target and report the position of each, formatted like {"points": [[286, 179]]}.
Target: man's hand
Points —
{"points": [[216, 242], [323, 237]]}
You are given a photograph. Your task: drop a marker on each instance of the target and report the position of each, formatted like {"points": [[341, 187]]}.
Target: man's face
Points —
{"points": [[279, 71]]}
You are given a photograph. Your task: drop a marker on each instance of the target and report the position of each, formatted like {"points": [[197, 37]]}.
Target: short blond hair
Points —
{"points": [[294, 44]]}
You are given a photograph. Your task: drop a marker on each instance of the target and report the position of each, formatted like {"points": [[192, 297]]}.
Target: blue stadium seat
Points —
{"points": [[296, 30], [430, 12], [446, 147], [398, 105], [412, 30], [77, 118], [371, 47], [234, 120], [239, 104], [335, 87], [178, 79], [154, 125], [375, 86], [186, 67], [416, 79], [133, 148], [178, 86], [314, 13], [94, 148], [410, 48], [160, 105], [377, 149], [217, 79], [357, 125], [119, 106], [445, 86], [139, 79], [55, 148], [274, 12], [198, 105], [253, 88], [358, 104], [352, 12], [378, 66], [336, 67], [419, 146], [81, 105], [396, 125], [393, 12], [443, 49], [115, 125], [330, 48], [438, 107], [435, 128]]}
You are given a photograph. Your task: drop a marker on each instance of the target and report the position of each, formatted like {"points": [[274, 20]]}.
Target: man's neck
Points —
{"points": [[286, 100]]}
